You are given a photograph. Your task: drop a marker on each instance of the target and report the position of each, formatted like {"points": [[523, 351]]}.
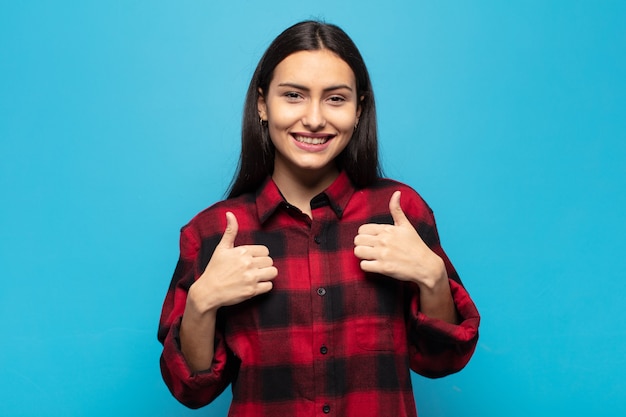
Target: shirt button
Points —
{"points": [[321, 291], [323, 350], [317, 239], [326, 408]]}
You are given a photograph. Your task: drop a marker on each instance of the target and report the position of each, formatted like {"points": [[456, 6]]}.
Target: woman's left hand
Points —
{"points": [[398, 250]]}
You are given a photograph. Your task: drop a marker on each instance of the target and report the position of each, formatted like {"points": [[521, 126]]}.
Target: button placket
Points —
{"points": [[320, 265]]}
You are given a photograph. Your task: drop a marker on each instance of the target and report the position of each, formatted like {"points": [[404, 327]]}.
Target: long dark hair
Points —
{"points": [[360, 157]]}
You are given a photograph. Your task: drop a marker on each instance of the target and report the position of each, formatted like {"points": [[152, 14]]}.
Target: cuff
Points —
{"points": [[463, 332], [193, 389]]}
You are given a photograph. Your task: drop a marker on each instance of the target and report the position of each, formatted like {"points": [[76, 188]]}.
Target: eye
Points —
{"points": [[336, 100], [292, 96]]}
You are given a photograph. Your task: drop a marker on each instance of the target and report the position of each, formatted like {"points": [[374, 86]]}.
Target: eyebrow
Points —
{"points": [[301, 87]]}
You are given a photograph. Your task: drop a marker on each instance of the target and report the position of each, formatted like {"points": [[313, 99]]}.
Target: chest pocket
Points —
{"points": [[378, 305]]}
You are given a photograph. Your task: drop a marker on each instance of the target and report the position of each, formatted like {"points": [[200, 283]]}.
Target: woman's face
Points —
{"points": [[311, 108]]}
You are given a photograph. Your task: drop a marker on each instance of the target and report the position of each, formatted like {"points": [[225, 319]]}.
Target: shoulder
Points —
{"points": [[212, 220], [384, 188], [371, 203]]}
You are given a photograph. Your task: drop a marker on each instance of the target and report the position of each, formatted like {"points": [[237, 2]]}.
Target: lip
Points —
{"points": [[312, 147]]}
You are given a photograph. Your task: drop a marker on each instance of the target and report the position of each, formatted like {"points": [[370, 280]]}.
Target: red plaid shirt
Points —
{"points": [[328, 339]]}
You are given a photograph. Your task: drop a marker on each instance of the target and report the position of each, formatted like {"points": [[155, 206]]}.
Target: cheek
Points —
{"points": [[281, 117], [345, 121]]}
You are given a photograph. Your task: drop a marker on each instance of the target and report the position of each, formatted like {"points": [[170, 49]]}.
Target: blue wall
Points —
{"points": [[119, 121]]}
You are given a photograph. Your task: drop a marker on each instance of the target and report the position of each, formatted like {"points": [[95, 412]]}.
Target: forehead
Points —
{"points": [[311, 68]]}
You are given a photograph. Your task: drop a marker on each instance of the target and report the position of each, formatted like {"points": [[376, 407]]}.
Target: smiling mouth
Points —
{"points": [[312, 140]]}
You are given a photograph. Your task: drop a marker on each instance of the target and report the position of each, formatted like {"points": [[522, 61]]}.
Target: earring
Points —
{"points": [[356, 124], [262, 122]]}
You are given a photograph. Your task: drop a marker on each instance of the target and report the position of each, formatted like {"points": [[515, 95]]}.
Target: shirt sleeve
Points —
{"points": [[193, 389], [438, 348]]}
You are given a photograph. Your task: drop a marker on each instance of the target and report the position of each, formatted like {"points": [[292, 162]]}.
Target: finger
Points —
{"points": [[366, 240], [267, 274], [255, 251], [262, 262], [399, 218], [370, 266], [263, 287], [232, 227], [365, 253], [372, 229]]}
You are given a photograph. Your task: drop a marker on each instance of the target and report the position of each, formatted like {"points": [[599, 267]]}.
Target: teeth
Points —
{"points": [[311, 141]]}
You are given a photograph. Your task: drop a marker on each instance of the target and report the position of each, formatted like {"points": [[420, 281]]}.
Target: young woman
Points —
{"points": [[317, 284]]}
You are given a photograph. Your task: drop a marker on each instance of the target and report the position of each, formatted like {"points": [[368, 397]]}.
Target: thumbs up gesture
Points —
{"points": [[234, 273], [397, 250]]}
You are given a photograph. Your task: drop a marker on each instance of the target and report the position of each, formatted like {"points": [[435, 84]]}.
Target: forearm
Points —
{"points": [[439, 347], [197, 337], [437, 302], [435, 295]]}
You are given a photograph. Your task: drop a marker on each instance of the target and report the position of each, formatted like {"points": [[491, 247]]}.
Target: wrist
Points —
{"points": [[198, 319], [200, 302], [437, 278]]}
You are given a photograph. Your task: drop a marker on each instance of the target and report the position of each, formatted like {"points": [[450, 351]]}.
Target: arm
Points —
{"points": [[438, 348], [234, 274], [399, 252], [443, 322], [195, 362], [194, 389]]}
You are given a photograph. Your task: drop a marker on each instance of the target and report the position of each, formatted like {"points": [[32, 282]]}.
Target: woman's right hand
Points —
{"points": [[234, 273]]}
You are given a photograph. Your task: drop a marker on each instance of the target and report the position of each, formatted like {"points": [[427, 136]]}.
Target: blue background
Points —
{"points": [[119, 120]]}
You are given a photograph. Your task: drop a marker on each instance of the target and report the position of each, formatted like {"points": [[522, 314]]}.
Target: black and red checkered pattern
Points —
{"points": [[328, 339]]}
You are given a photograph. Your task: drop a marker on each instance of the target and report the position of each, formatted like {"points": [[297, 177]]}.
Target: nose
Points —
{"points": [[313, 117]]}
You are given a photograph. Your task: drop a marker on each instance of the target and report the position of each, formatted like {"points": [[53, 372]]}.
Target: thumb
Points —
{"points": [[232, 227], [399, 218]]}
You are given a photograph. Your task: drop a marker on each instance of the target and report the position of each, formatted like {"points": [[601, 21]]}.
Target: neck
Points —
{"points": [[300, 188]]}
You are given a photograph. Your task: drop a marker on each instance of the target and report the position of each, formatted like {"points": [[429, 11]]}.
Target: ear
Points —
{"points": [[262, 106], [359, 107]]}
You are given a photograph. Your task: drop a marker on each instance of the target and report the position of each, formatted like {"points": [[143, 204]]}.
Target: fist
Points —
{"points": [[397, 250], [234, 273]]}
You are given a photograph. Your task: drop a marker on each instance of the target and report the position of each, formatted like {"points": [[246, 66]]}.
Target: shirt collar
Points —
{"points": [[337, 195]]}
